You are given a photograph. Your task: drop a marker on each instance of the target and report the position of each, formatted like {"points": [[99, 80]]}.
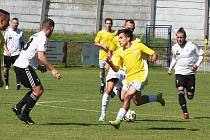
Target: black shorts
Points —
{"points": [[27, 77], [9, 60], [187, 81]]}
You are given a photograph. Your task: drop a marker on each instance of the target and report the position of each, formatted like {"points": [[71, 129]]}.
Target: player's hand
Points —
{"points": [[56, 74], [194, 67], [8, 53], [42, 68], [106, 48], [153, 58], [109, 59], [169, 72]]}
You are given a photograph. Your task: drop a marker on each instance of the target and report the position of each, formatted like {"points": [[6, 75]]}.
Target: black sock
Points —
{"points": [[23, 101], [182, 101], [31, 101]]}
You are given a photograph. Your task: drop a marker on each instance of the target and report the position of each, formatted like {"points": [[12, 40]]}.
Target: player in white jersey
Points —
{"points": [[14, 40], [4, 23], [187, 57], [31, 57]]}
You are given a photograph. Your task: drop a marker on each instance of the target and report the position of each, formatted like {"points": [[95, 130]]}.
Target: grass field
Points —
{"points": [[69, 109]]}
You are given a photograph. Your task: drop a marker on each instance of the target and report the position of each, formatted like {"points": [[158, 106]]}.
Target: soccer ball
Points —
{"points": [[130, 116]]}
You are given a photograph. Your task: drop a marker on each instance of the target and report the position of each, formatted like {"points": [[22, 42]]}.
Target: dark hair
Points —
{"points": [[127, 33], [131, 21], [3, 12], [15, 18], [181, 30], [109, 19], [48, 23]]}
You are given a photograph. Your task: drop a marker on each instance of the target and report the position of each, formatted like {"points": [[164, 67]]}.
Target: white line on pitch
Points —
{"points": [[88, 110]]}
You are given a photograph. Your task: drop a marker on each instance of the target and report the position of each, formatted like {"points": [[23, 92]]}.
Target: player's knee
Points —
{"points": [[180, 88]]}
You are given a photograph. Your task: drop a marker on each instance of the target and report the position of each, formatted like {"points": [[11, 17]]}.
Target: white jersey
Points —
{"points": [[13, 40], [28, 55], [184, 57]]}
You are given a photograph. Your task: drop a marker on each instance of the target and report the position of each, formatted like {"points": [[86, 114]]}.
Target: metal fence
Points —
{"points": [[158, 37]]}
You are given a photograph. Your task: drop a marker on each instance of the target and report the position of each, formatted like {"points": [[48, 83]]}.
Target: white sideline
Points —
{"points": [[44, 104]]}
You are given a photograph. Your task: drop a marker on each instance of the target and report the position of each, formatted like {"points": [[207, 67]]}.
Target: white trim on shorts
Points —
{"points": [[30, 78]]}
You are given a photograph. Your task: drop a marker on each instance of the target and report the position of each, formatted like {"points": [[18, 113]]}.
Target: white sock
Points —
{"points": [[121, 114], [105, 102]]}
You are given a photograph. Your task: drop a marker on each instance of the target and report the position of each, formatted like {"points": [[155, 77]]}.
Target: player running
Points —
{"points": [[186, 62], [102, 41], [117, 79], [130, 56]]}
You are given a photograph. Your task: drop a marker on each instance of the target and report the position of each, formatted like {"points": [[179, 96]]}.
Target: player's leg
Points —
{"points": [[180, 84], [190, 86], [139, 99], [7, 65], [18, 84], [106, 98], [29, 79], [125, 106], [102, 74], [112, 78]]}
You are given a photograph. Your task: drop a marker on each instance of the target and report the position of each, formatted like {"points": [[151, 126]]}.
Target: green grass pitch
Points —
{"points": [[69, 110]]}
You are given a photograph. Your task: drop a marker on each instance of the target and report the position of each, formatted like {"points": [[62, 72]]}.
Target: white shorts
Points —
{"points": [[139, 86], [102, 63], [120, 75]]}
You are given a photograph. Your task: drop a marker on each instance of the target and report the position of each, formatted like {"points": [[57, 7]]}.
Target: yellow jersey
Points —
{"points": [[103, 37], [115, 43], [132, 59]]}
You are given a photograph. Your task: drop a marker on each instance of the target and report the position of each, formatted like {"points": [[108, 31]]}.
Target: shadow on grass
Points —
{"points": [[147, 120], [175, 128], [80, 124], [201, 117]]}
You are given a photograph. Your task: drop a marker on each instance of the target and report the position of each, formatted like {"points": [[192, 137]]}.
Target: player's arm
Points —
{"points": [[153, 57], [112, 65], [5, 45], [200, 54], [173, 63], [101, 46], [98, 44], [43, 60], [152, 54]]}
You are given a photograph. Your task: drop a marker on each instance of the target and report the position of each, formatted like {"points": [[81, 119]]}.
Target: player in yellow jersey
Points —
{"points": [[102, 41], [130, 56], [114, 79], [4, 23]]}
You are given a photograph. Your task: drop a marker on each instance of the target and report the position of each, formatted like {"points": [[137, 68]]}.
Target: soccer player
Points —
{"points": [[114, 78], [117, 79], [4, 23], [102, 41], [130, 55], [14, 41], [31, 57], [187, 57]]}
